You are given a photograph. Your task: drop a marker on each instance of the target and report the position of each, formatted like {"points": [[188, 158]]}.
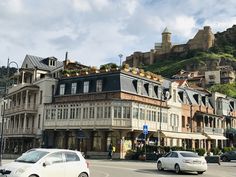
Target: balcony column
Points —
{"points": [[24, 124], [34, 76], [23, 76], [26, 99], [21, 100]]}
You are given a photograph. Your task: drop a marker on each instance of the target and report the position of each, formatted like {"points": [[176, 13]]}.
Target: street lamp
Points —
{"points": [[120, 56], [4, 106], [164, 97]]}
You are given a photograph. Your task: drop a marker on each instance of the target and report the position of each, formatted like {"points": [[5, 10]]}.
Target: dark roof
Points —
{"points": [[39, 62]]}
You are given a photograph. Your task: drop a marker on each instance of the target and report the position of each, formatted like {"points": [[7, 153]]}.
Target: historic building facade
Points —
{"points": [[34, 85]]}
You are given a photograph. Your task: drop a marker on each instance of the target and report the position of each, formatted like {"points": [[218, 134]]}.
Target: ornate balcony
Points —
{"points": [[22, 108], [20, 132]]}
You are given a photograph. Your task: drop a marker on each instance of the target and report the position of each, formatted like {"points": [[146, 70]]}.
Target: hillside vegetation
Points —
{"points": [[227, 89], [171, 66]]}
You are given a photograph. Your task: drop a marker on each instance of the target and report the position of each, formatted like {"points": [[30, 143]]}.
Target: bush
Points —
{"points": [[215, 151], [201, 151], [227, 149]]}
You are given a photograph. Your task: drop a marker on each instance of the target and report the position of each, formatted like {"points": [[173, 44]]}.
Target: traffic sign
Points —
{"points": [[145, 129]]}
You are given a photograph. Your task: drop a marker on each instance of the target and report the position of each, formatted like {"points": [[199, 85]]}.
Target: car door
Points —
{"points": [[173, 160], [73, 165], [165, 160], [53, 165], [233, 155]]}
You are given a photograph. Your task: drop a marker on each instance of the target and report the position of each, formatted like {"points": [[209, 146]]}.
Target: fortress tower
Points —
{"points": [[166, 41]]}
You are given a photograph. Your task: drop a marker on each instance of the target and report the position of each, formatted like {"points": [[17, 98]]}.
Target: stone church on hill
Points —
{"points": [[203, 40]]}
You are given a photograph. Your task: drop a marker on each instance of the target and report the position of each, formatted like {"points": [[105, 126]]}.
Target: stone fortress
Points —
{"points": [[203, 40]]}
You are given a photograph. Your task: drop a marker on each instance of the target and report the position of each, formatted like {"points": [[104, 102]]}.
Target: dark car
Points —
{"points": [[227, 156]]}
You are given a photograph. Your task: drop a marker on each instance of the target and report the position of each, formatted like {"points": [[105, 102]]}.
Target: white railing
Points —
{"points": [[17, 87], [210, 130], [22, 107], [21, 131]]}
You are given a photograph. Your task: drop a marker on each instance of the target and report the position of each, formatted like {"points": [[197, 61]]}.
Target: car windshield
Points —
{"points": [[188, 154], [31, 156]]}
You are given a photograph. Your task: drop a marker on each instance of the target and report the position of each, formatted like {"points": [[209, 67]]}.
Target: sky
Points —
{"points": [[95, 32]]}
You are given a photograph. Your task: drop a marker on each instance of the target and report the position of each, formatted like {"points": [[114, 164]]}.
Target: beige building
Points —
{"points": [[35, 84]]}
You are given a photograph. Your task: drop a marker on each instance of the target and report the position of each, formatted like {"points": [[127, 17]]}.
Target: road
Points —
{"points": [[119, 168], [107, 168]]}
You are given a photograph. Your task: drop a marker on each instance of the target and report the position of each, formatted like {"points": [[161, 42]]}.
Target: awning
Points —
{"points": [[216, 137], [179, 135]]}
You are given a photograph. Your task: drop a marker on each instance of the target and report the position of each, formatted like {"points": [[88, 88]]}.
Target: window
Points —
{"points": [[47, 116], [62, 89], [65, 113], [59, 114], [72, 113], [91, 112], [78, 113], [54, 158], [73, 88], [107, 112], [41, 97], [135, 113], [99, 112], [53, 113], [117, 112], [86, 86], [85, 113], [183, 121], [142, 114], [39, 120], [71, 157], [99, 86], [126, 112]]}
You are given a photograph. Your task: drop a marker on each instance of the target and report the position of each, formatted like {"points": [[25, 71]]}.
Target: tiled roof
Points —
{"points": [[38, 62]]}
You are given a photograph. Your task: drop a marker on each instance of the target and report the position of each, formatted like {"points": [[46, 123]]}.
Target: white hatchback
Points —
{"points": [[44, 162], [182, 161]]}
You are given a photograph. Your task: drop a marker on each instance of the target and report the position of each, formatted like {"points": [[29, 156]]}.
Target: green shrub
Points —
{"points": [[201, 151], [215, 151], [227, 149]]}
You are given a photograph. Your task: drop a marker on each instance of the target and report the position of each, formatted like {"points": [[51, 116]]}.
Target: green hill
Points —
{"points": [[223, 53]]}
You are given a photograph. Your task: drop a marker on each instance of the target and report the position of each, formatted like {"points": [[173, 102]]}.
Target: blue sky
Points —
{"points": [[95, 32]]}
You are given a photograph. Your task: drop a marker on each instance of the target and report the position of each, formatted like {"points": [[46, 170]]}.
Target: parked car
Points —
{"points": [[44, 162], [182, 161], [228, 156]]}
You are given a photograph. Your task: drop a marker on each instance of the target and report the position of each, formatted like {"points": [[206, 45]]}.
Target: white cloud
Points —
{"points": [[183, 26], [94, 31], [82, 5]]}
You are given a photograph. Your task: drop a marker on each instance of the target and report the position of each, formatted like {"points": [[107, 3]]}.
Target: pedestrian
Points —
{"points": [[110, 151]]}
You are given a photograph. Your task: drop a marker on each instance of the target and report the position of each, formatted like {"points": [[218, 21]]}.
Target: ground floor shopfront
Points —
{"points": [[92, 141]]}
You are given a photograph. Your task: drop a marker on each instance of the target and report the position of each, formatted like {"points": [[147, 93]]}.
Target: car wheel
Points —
{"points": [[200, 172], [177, 169], [33, 176], [159, 166], [225, 159], [83, 175]]}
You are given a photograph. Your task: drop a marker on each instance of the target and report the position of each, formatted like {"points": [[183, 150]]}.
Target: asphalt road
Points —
{"points": [[107, 168], [120, 168]]}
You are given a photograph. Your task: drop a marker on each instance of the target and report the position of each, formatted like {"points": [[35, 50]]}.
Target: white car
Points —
{"points": [[47, 163], [182, 161]]}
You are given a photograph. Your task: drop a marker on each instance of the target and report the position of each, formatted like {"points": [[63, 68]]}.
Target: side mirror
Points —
{"points": [[46, 163]]}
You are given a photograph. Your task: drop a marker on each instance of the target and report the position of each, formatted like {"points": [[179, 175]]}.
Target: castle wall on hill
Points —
{"points": [[203, 40]]}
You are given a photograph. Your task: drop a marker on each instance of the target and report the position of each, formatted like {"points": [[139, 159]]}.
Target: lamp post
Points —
{"points": [[4, 107], [120, 56]]}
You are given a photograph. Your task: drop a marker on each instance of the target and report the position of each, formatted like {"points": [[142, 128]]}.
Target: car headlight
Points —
{"points": [[21, 170]]}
